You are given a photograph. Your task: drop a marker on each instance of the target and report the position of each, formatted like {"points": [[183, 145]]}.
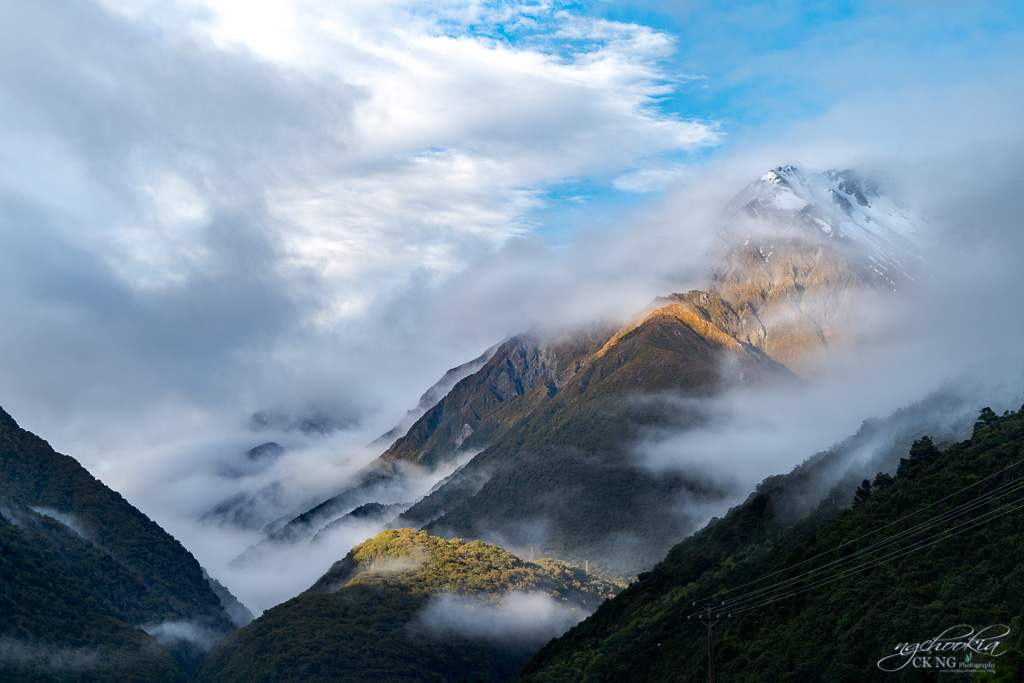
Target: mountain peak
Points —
{"points": [[778, 175], [845, 210]]}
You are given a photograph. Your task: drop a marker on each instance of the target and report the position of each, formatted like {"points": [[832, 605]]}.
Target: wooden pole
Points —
{"points": [[709, 620]]}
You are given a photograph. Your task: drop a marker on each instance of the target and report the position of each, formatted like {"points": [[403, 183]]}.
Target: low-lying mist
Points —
{"points": [[54, 660], [517, 619], [237, 553]]}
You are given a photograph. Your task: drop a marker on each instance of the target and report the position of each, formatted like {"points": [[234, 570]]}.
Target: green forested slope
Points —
{"points": [[362, 620], [73, 592], [65, 609], [836, 631]]}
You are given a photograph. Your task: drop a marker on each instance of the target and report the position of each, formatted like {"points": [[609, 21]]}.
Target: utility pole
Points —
{"points": [[709, 620]]}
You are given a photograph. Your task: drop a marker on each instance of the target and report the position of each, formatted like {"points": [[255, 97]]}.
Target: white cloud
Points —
{"points": [[202, 197]]}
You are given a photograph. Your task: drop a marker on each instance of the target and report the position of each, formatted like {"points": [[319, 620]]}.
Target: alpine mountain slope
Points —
{"points": [[535, 448]]}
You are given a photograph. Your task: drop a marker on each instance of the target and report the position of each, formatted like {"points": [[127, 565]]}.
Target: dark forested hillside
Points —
{"points": [[84, 576], [903, 560]]}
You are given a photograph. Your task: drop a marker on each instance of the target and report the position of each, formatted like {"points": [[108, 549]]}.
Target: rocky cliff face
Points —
{"points": [[431, 396], [791, 305], [466, 417]]}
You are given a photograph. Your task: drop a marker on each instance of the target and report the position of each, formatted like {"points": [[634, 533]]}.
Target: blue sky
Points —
{"points": [[757, 70], [770, 63]]}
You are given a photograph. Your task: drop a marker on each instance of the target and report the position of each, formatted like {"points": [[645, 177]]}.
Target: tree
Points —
{"points": [[986, 418], [862, 493], [881, 480], [923, 450]]}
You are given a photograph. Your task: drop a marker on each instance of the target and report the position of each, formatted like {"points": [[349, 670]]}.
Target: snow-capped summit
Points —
{"points": [[843, 209]]}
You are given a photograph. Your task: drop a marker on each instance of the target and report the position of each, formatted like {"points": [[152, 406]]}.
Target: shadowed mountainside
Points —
{"points": [[91, 587], [828, 596]]}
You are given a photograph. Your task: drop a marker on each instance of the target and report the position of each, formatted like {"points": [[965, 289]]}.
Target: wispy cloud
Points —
{"points": [[32, 656]]}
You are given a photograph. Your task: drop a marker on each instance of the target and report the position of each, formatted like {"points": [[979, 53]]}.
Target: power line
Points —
{"points": [[920, 545], [870, 563], [948, 516], [871, 532], [867, 556], [1012, 485]]}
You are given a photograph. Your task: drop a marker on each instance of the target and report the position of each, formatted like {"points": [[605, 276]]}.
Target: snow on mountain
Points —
{"points": [[841, 208]]}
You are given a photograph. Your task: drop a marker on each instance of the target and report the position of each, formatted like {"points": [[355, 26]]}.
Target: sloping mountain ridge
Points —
{"points": [[607, 510], [467, 416], [435, 394], [452, 430]]}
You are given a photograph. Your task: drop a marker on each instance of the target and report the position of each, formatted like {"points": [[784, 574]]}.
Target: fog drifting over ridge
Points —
{"points": [[948, 329], [200, 220]]}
